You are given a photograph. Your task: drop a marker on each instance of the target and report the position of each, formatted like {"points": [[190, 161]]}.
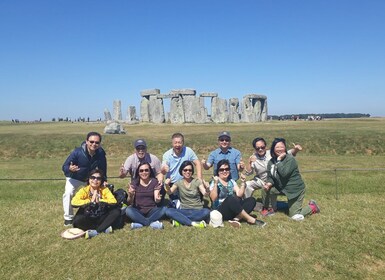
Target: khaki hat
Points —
{"points": [[72, 233], [216, 219]]}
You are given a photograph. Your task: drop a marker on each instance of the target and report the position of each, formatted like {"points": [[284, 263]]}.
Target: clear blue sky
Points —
{"points": [[72, 58]]}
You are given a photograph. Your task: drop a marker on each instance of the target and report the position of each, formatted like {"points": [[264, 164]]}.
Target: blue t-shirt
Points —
{"points": [[232, 155], [174, 162]]}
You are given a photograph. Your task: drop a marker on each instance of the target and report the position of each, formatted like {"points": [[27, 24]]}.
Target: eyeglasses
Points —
{"points": [[224, 139], [144, 170], [224, 169], [94, 142], [95, 178], [260, 148], [187, 170]]}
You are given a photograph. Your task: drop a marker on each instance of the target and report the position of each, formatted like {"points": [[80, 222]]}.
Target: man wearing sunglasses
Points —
{"points": [[225, 151], [90, 155], [139, 156]]}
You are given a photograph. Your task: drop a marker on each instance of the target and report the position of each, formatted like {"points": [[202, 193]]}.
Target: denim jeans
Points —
{"points": [[186, 216], [136, 216]]}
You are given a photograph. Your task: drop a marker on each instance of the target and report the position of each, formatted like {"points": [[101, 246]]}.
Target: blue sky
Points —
{"points": [[62, 58]]}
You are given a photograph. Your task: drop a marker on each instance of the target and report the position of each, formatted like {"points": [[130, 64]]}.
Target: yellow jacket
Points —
{"points": [[82, 197]]}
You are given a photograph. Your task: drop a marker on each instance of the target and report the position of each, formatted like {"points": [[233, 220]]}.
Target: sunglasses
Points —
{"points": [[260, 148], [187, 170], [95, 178], [94, 142], [224, 139], [144, 170], [223, 169], [140, 148]]}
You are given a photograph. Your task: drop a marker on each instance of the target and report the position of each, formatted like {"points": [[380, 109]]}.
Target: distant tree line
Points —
{"points": [[323, 116]]}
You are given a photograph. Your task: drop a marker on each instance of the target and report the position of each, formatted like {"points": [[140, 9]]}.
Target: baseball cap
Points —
{"points": [[224, 134], [216, 219], [140, 142]]}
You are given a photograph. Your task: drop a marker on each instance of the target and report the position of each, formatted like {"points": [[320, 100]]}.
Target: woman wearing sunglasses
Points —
{"points": [[191, 190], [96, 203], [144, 194], [226, 197], [283, 176], [258, 164]]}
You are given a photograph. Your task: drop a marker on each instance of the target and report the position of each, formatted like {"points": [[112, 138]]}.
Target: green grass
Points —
{"points": [[345, 241]]}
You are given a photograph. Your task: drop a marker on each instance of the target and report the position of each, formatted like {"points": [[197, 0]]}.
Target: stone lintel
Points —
{"points": [[209, 94], [255, 96], [149, 92], [164, 96], [184, 91]]}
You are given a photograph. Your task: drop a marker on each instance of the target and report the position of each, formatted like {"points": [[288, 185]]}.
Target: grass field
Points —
{"points": [[345, 241]]}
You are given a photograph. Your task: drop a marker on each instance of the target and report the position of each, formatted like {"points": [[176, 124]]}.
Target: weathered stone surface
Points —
{"points": [[185, 91], [219, 110], [117, 110], [247, 110], [264, 115], [156, 110], [114, 128], [176, 110], [233, 110], [255, 96], [107, 115], [131, 115], [209, 94], [149, 92], [144, 110]]}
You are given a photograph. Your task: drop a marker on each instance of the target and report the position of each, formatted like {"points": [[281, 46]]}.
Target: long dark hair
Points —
{"points": [[275, 142]]}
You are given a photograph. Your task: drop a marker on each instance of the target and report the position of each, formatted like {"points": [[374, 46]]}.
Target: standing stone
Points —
{"points": [[233, 110], [219, 110], [144, 113], [117, 110], [107, 115], [145, 104], [156, 109], [264, 114], [176, 109], [131, 114]]}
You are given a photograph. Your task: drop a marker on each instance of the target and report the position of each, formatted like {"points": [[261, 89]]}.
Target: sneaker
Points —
{"points": [[156, 225], [267, 212], [175, 223], [298, 217], [314, 207], [90, 233], [234, 223], [201, 224], [68, 223], [108, 230], [136, 225], [259, 223]]}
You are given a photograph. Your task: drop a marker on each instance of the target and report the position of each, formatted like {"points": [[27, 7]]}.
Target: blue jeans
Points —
{"points": [[186, 216], [136, 216]]}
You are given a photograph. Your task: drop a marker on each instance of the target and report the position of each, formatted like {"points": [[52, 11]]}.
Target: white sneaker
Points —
{"points": [[298, 217]]}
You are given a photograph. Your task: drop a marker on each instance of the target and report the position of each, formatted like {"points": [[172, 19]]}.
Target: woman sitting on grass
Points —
{"points": [[144, 194], [97, 211], [284, 176], [226, 197], [191, 212]]}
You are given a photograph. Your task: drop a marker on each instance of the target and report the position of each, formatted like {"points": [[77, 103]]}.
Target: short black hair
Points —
{"points": [[275, 142], [220, 163], [257, 140], [184, 164], [93, 133]]}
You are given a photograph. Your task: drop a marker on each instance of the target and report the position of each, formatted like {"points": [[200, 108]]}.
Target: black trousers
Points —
{"points": [[100, 224], [232, 206]]}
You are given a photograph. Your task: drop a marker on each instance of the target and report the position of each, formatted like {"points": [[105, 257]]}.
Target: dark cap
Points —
{"points": [[224, 134], [140, 142]]}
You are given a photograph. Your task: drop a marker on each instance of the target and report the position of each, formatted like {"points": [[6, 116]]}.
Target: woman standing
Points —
{"points": [[284, 176], [226, 197], [191, 190], [144, 193], [96, 204]]}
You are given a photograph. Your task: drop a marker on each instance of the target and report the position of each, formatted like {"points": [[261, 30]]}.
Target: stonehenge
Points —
{"points": [[188, 107]]}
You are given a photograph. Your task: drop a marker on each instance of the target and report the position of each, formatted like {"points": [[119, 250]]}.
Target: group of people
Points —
{"points": [[179, 175]]}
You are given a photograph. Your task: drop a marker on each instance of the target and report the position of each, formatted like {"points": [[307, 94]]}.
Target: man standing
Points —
{"points": [[90, 155], [172, 160], [140, 155], [225, 151]]}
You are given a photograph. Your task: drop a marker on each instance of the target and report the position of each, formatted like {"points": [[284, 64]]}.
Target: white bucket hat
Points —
{"points": [[216, 219], [72, 233]]}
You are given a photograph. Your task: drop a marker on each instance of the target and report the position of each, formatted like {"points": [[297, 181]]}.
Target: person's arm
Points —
{"points": [[131, 193], [214, 188], [198, 167], [203, 188], [169, 190], [240, 190], [81, 198], [296, 149], [249, 167], [108, 197], [122, 171]]}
